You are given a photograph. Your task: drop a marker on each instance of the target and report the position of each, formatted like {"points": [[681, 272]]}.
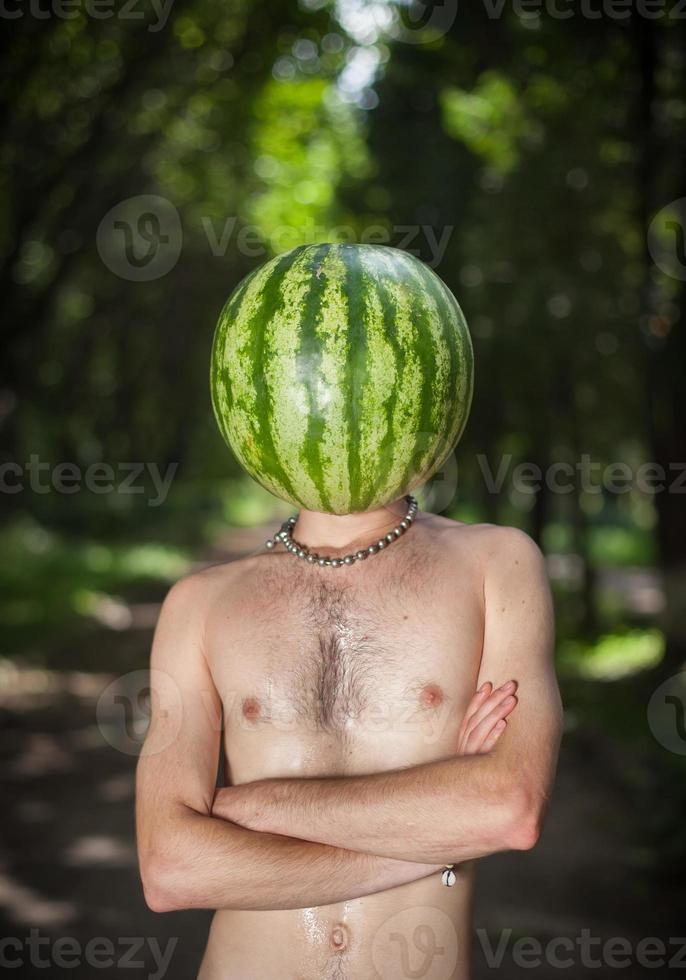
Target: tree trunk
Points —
{"points": [[666, 360]]}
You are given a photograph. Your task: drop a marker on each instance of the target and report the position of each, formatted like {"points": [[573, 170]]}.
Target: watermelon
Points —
{"points": [[341, 375]]}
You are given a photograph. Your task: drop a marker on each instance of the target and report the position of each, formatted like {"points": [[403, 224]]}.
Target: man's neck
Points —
{"points": [[346, 531]]}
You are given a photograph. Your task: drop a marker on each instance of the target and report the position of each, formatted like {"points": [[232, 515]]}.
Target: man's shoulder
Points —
{"points": [[493, 544], [200, 588]]}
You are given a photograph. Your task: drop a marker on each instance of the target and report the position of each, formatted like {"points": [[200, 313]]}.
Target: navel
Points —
{"points": [[340, 937], [251, 709], [431, 696]]}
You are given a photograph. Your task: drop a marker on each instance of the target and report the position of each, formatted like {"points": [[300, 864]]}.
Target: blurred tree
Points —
{"points": [[97, 111], [524, 156], [661, 177]]}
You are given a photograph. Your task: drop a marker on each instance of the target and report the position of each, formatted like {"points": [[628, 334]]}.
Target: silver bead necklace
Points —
{"points": [[285, 536]]}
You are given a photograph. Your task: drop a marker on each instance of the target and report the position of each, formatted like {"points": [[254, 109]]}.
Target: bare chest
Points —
{"points": [[323, 676]]}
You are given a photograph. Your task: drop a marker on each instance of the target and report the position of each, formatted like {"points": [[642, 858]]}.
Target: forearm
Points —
{"points": [[212, 863], [447, 811], [441, 812]]}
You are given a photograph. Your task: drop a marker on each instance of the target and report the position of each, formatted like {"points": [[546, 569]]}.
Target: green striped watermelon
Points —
{"points": [[341, 375]]}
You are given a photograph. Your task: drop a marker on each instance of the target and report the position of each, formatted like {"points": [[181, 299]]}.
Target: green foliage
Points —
{"points": [[305, 144], [53, 585], [490, 120], [612, 657]]}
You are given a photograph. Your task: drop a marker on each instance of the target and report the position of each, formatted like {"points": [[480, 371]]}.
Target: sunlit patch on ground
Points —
{"points": [[99, 850], [27, 906]]}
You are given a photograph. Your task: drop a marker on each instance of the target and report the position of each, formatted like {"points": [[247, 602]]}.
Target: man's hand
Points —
{"points": [[483, 723], [485, 718]]}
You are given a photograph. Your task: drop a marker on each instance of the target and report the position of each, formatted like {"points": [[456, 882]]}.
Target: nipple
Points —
{"points": [[431, 696], [251, 709]]}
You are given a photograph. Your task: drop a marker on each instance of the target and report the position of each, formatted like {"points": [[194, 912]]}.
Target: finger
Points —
{"points": [[479, 733], [497, 697], [476, 702], [474, 745], [491, 739], [478, 736]]}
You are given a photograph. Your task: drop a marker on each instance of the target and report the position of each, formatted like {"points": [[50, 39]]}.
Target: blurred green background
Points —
{"points": [[154, 157]]}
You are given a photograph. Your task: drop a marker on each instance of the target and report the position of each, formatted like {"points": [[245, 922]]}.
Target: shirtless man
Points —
{"points": [[358, 760]]}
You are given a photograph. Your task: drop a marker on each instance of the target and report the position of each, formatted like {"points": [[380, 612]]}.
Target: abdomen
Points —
{"points": [[417, 930]]}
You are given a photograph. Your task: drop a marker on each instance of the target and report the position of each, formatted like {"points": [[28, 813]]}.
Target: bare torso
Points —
{"points": [[344, 672]]}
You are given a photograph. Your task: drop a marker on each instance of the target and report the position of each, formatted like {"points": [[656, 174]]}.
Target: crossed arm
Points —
{"points": [[461, 807], [291, 843], [190, 857]]}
